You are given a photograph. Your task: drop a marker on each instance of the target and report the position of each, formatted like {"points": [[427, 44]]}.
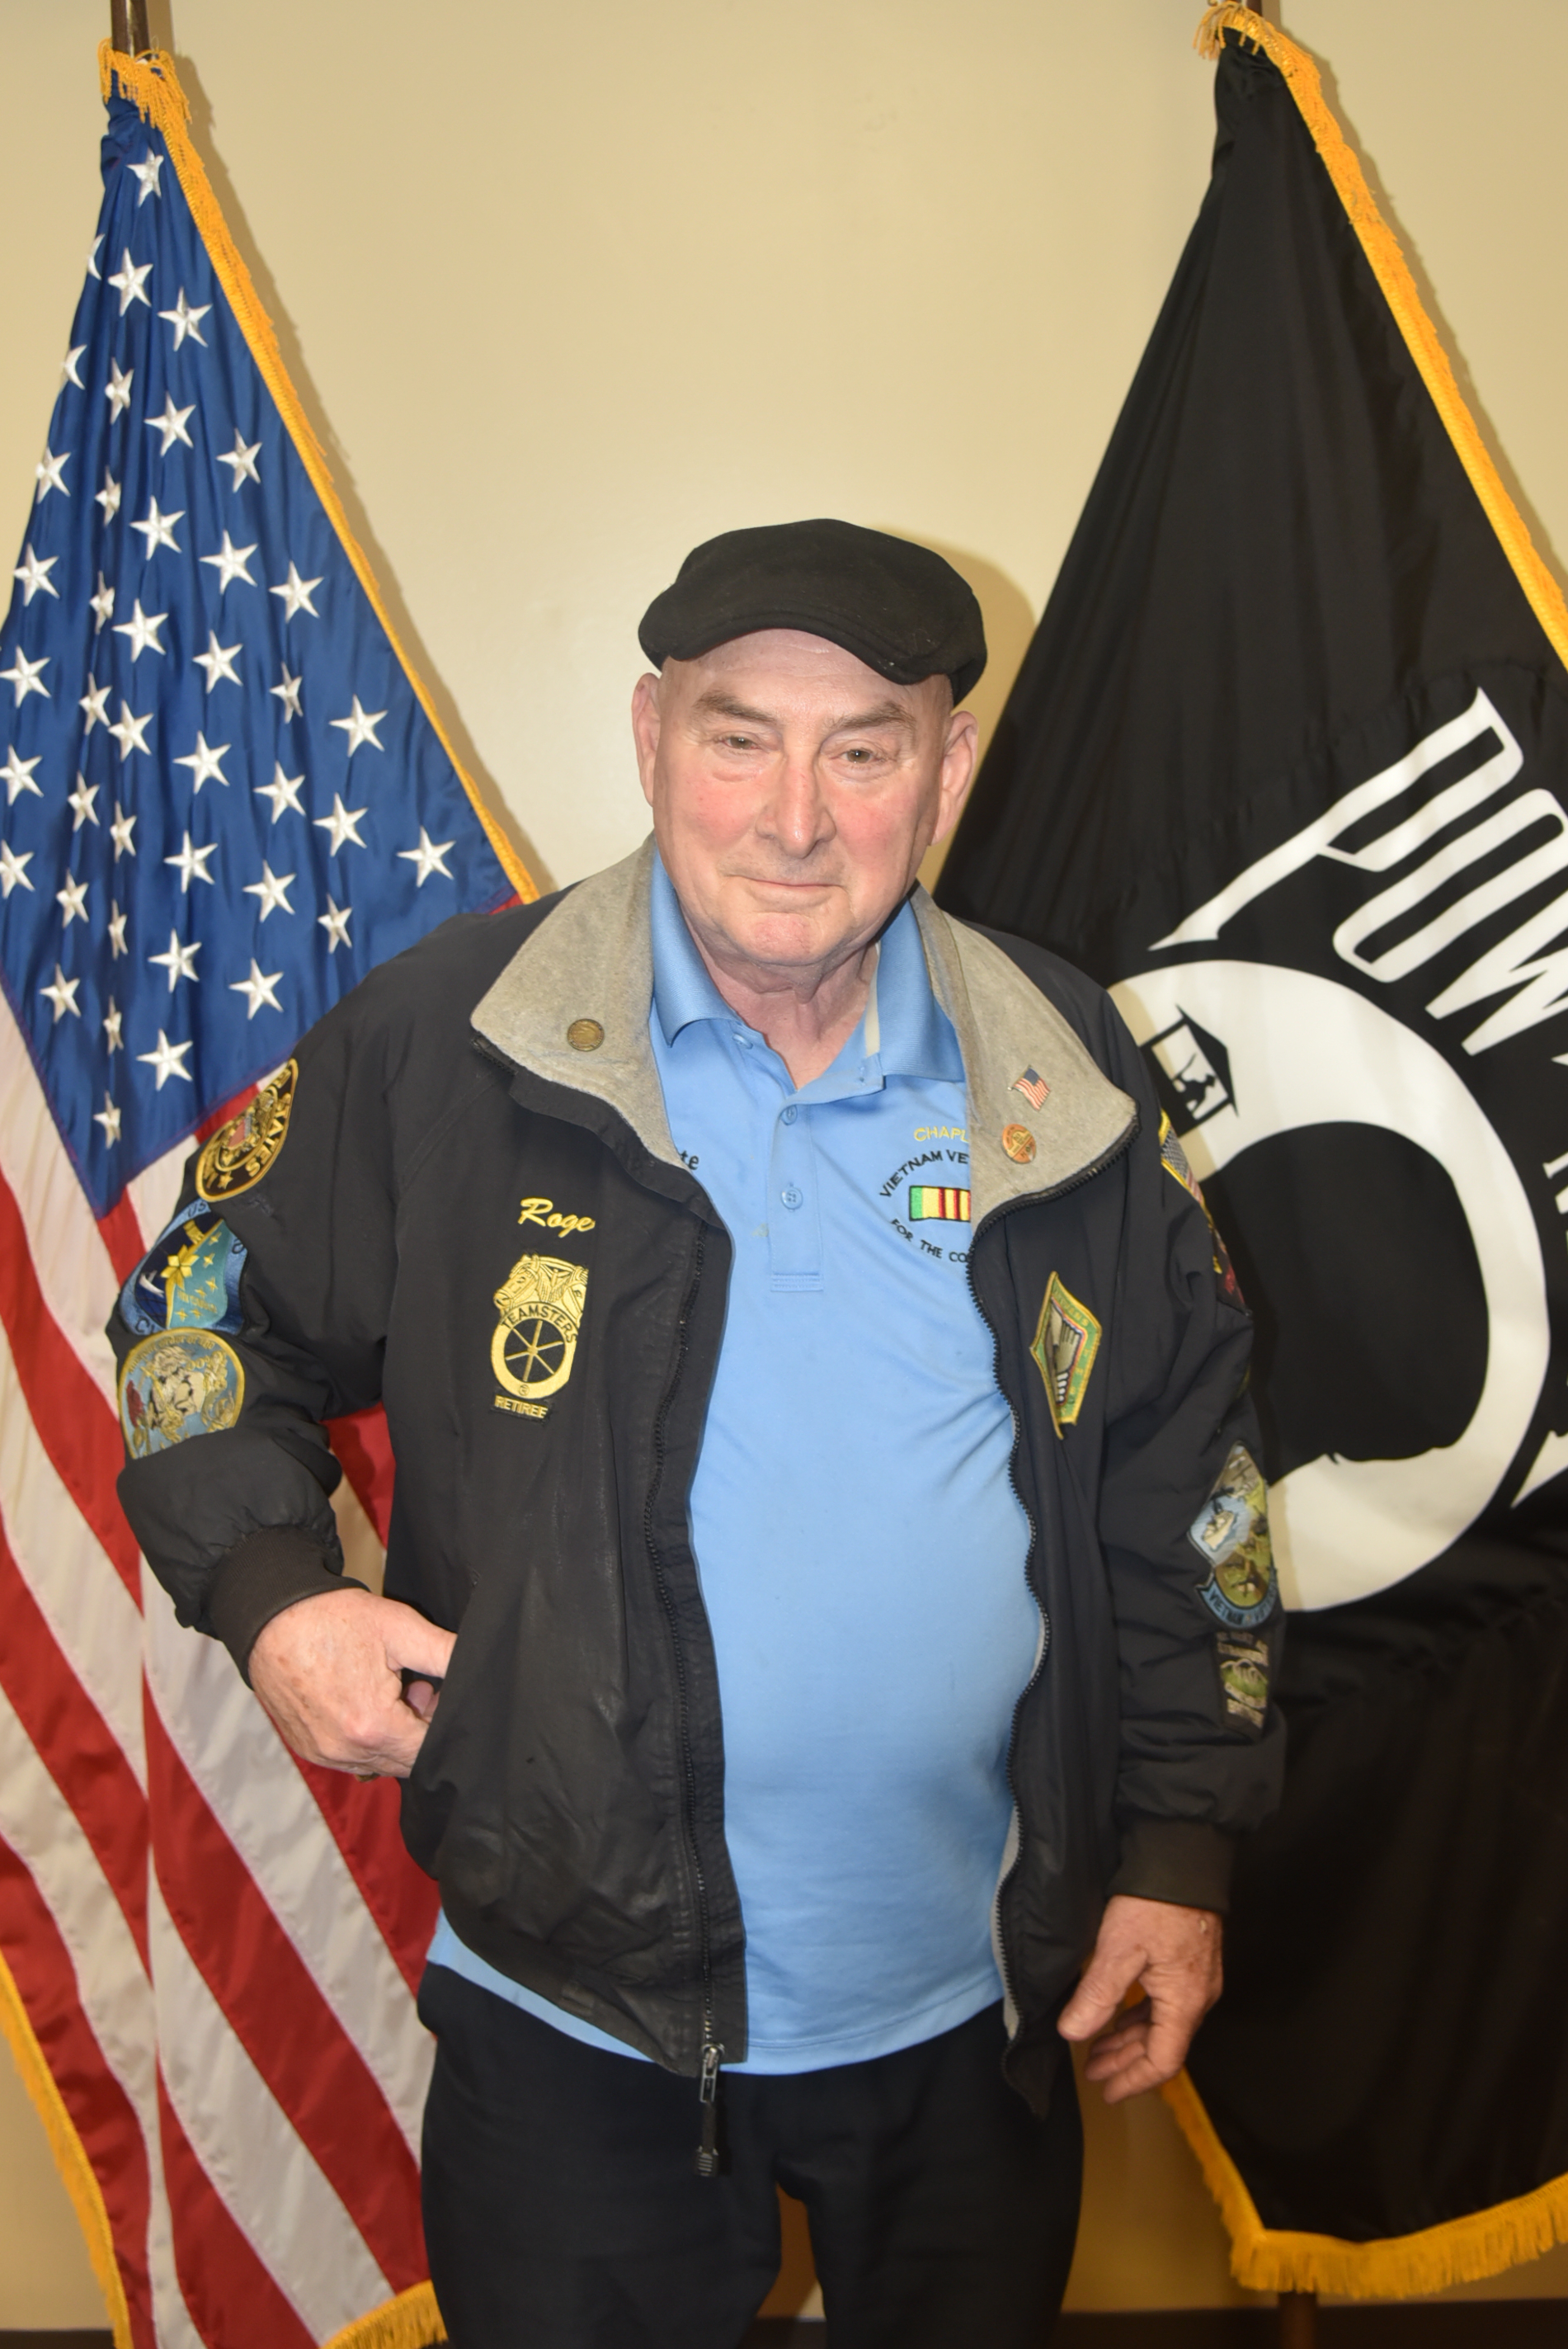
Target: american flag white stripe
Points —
{"points": [[155, 1194], [80, 1596], [275, 2193], [112, 1983], [271, 2184], [271, 1818], [70, 1261]]}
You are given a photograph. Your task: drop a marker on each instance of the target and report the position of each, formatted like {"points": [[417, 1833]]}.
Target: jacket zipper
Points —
{"points": [[708, 2160], [1032, 1199]]}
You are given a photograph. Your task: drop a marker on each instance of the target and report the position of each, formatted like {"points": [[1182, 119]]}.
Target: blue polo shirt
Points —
{"points": [[861, 1547]]}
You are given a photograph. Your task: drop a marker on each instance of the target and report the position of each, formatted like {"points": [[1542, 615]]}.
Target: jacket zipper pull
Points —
{"points": [[709, 2160]]}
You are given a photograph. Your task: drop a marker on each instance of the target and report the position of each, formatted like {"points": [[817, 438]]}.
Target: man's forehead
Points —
{"points": [[766, 673]]}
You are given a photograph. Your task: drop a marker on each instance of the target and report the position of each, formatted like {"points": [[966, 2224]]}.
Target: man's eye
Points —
{"points": [[736, 741], [859, 756]]}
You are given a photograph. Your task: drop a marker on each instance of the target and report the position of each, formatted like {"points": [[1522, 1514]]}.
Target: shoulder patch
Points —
{"points": [[1067, 1339], [189, 1279], [240, 1153], [1232, 1532], [1173, 1158], [176, 1386], [1243, 1677]]}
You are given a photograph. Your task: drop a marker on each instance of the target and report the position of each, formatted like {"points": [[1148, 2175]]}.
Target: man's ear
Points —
{"points": [[958, 764], [645, 730]]}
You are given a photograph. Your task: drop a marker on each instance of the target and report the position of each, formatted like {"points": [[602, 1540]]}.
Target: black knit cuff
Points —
{"points": [[263, 1574], [1185, 1861]]}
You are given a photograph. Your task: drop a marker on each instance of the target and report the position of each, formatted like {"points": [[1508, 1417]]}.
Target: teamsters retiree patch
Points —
{"points": [[534, 1343]]}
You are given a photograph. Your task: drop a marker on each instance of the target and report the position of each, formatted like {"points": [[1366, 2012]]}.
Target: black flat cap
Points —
{"points": [[895, 606]]}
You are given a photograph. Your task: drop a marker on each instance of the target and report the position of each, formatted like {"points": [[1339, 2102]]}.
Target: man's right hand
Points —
{"points": [[329, 1670]]}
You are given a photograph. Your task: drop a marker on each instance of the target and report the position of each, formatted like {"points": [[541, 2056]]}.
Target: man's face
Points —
{"points": [[794, 793]]}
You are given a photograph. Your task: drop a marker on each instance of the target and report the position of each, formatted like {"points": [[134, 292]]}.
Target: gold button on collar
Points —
{"points": [[585, 1035]]}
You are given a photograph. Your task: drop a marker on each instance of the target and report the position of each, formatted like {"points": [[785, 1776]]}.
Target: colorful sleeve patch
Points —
{"points": [[1173, 1158], [1244, 1678], [240, 1153], [1066, 1341], [177, 1386], [937, 1203], [1232, 1532], [189, 1279]]}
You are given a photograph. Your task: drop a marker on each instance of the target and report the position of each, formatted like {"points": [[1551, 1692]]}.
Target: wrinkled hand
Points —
{"points": [[1175, 1953], [328, 1671]]}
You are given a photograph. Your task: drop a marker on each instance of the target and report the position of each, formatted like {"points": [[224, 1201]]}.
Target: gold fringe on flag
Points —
{"points": [[1398, 2267], [71, 2160], [1392, 272], [1484, 2242], [152, 82], [412, 2321]]}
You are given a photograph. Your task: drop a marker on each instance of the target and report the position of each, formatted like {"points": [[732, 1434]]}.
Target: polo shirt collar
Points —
{"points": [[910, 1035]]}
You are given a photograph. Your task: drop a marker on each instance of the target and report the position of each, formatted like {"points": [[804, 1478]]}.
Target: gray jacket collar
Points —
{"points": [[588, 965]]}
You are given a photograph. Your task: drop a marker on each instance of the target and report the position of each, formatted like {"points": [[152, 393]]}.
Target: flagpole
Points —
{"points": [[1298, 2319], [128, 26], [1297, 2310]]}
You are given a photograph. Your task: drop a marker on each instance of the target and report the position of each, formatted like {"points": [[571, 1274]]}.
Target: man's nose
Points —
{"points": [[797, 811]]}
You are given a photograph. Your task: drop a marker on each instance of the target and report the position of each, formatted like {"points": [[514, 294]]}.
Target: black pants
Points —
{"points": [[562, 2211]]}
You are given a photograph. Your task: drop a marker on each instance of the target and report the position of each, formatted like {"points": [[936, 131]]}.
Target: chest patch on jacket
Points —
{"points": [[1232, 1531], [184, 1383], [534, 1343], [1066, 1341], [240, 1153]]}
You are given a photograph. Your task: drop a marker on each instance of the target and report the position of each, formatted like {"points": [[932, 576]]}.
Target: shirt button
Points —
{"points": [[792, 1195], [789, 1115]]}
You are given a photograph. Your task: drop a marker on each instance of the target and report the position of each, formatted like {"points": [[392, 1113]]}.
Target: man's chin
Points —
{"points": [[783, 938]]}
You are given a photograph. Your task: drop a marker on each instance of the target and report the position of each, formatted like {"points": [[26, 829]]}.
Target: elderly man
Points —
{"points": [[814, 1385]]}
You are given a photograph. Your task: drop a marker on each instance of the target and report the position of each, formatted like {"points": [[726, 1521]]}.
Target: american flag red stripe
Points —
{"points": [[230, 2029]]}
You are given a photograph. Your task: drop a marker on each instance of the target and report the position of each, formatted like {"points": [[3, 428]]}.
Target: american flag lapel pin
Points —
{"points": [[1033, 1087]]}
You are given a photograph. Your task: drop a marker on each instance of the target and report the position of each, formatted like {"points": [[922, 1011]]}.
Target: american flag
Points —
{"points": [[225, 798], [1033, 1087]]}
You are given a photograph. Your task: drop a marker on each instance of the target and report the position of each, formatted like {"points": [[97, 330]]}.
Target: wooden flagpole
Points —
{"points": [[128, 26], [1297, 2310]]}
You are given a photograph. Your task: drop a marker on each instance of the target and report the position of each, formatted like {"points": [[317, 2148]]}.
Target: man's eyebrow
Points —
{"points": [[882, 713], [724, 705]]}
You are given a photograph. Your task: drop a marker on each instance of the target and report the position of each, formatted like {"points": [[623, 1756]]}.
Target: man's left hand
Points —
{"points": [[1174, 1954]]}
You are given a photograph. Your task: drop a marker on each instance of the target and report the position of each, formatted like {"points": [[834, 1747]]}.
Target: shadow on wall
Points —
{"points": [[161, 34], [1009, 625]]}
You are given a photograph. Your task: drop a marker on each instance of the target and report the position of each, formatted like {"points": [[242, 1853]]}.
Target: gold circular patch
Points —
{"points": [[178, 1384], [1018, 1143], [240, 1153], [585, 1035]]}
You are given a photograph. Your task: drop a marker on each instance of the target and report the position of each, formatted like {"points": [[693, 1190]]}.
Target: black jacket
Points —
{"points": [[570, 1794]]}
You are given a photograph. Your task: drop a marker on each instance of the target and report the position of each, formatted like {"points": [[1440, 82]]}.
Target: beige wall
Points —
{"points": [[567, 290]]}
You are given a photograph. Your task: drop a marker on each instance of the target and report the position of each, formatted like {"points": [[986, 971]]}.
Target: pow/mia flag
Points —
{"points": [[1287, 767]]}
